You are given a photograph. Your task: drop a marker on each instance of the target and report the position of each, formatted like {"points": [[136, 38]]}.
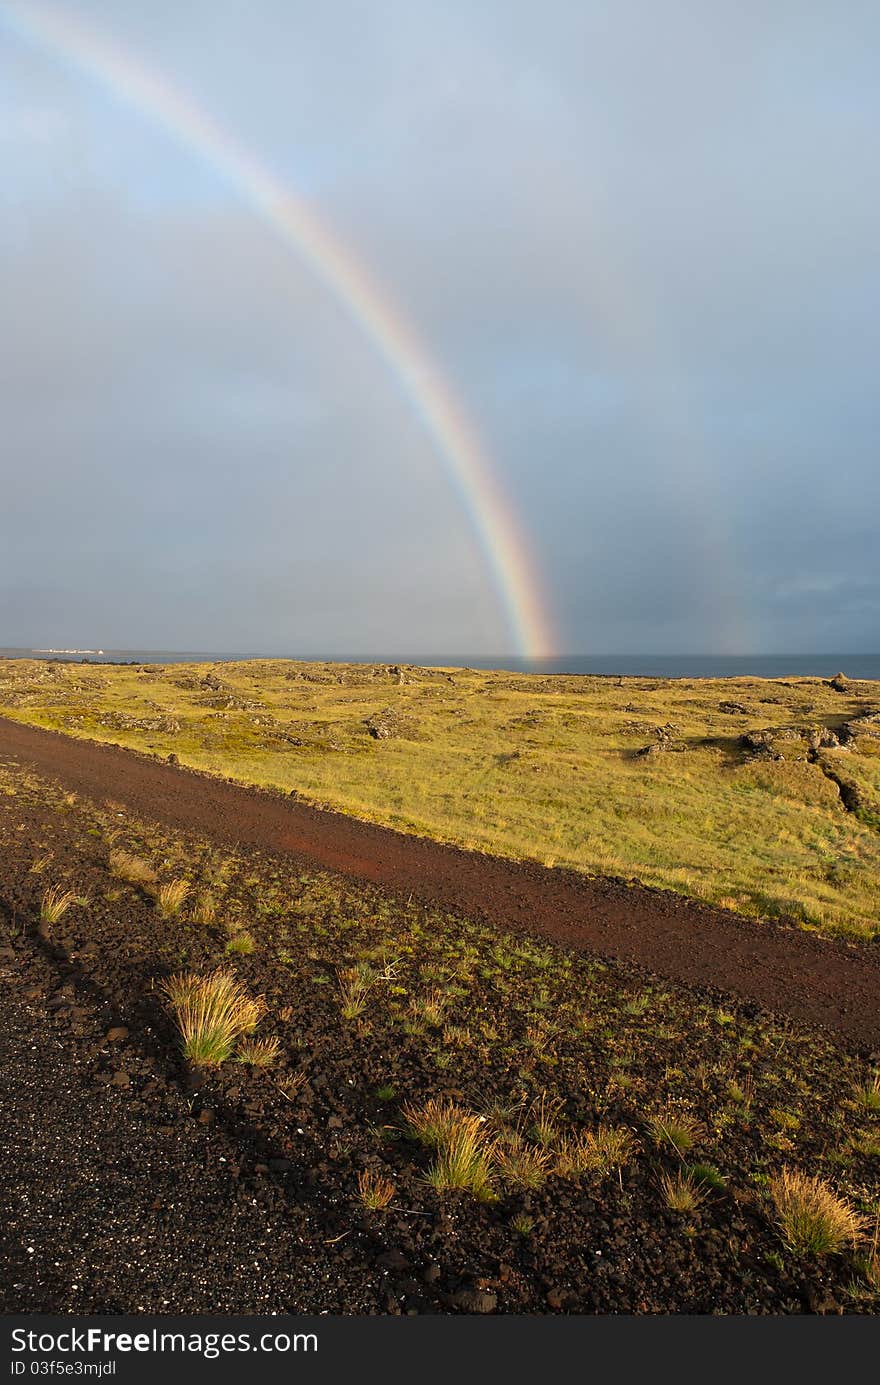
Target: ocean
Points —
{"points": [[862, 666]]}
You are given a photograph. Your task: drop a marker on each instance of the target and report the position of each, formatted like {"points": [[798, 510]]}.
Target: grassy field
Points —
{"points": [[634, 777]]}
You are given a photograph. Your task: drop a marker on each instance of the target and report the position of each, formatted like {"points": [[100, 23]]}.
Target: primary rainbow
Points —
{"points": [[501, 537]]}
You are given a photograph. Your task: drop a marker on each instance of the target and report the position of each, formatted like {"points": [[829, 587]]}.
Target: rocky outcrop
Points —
{"points": [[759, 745]]}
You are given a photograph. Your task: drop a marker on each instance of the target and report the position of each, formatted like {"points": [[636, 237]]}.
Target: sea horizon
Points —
{"points": [[862, 667]]}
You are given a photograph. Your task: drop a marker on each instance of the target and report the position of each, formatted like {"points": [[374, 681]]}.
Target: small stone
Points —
{"points": [[206, 1116], [120, 1078], [335, 1123], [474, 1301], [555, 1299], [116, 1035]]}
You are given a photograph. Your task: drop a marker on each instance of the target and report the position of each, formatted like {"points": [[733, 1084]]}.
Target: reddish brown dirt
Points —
{"points": [[819, 981]]}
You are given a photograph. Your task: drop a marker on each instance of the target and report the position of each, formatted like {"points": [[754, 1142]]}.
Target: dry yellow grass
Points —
{"points": [[813, 1220], [213, 1013], [55, 903], [432, 1123], [601, 1151], [132, 869], [258, 1053], [681, 1192], [170, 897], [375, 1192]]}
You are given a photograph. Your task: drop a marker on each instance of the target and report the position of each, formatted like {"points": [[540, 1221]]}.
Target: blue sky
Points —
{"points": [[639, 241]]}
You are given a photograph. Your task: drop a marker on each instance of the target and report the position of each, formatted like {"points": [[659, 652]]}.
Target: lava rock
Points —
{"points": [[471, 1300]]}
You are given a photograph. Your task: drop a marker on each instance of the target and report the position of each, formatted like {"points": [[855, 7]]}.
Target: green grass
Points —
{"points": [[527, 766], [465, 1160]]}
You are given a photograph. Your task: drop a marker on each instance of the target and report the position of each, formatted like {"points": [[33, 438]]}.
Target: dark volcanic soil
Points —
{"points": [[819, 981], [129, 1182]]}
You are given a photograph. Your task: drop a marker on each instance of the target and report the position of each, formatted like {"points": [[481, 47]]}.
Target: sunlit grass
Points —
{"points": [[258, 1053], [812, 1219], [170, 897], [465, 1160], [213, 1013], [682, 1192], [432, 1122], [766, 837], [132, 869], [867, 1093], [55, 903], [520, 1164], [602, 1151], [375, 1192]]}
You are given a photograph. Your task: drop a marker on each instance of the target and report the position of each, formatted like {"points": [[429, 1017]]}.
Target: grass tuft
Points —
{"points": [[433, 1123], [602, 1151], [812, 1219], [258, 1053], [707, 1176], [430, 1007], [205, 910], [867, 1093], [544, 1120], [465, 1159], [522, 1224], [520, 1164], [676, 1129], [132, 869], [170, 897], [354, 984], [55, 903], [682, 1192], [240, 944], [375, 1192], [291, 1085], [213, 1012]]}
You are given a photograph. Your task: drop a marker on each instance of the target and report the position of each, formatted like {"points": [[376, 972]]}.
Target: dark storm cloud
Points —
{"points": [[640, 240]]}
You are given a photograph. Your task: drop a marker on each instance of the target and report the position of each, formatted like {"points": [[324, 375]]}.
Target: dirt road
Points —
{"points": [[816, 980]]}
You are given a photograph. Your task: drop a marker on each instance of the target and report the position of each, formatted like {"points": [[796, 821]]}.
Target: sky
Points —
{"points": [[637, 242]]}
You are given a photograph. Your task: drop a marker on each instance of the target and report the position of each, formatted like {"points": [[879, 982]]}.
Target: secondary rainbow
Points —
{"points": [[504, 544]]}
